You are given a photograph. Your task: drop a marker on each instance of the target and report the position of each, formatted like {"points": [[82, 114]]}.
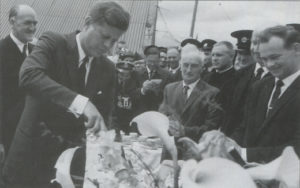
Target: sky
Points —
{"points": [[217, 19]]}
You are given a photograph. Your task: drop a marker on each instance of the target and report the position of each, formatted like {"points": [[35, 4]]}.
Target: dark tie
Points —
{"points": [[24, 50], [276, 94], [81, 74], [185, 91], [259, 73]]}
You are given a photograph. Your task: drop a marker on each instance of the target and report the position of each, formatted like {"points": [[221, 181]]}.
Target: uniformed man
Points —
{"points": [[207, 46], [127, 56], [163, 58], [243, 55], [191, 41], [127, 101]]}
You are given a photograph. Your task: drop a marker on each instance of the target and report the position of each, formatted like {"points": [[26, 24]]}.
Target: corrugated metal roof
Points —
{"points": [[68, 15]]}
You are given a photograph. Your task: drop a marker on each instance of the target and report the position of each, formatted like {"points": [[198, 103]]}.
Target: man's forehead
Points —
{"points": [[274, 44], [190, 59], [219, 48], [172, 52]]}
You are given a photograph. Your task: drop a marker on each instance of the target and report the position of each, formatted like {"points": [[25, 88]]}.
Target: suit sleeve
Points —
{"points": [[163, 107], [1, 95], [34, 74]]}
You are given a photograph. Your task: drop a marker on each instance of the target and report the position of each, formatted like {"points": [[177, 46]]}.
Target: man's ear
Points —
{"points": [[12, 20], [87, 21], [297, 48]]}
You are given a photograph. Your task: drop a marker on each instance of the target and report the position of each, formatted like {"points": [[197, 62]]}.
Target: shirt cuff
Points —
{"points": [[78, 105], [244, 154]]}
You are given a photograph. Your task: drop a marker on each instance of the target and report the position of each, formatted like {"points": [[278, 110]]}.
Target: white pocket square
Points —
{"points": [[99, 93]]}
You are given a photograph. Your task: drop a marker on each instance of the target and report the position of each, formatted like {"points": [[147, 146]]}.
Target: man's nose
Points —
{"points": [[269, 63]]}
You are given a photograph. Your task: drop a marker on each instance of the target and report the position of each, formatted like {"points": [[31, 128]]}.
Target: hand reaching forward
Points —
{"points": [[93, 120]]}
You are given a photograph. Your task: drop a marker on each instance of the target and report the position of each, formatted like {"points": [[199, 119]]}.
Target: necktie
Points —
{"points": [[259, 73], [276, 94], [24, 50], [82, 74], [185, 91]]}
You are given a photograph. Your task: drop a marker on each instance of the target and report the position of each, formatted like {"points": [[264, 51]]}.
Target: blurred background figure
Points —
{"points": [[152, 80], [173, 57], [207, 46], [119, 50], [243, 55], [14, 48], [127, 101], [127, 56], [139, 65], [163, 58]]}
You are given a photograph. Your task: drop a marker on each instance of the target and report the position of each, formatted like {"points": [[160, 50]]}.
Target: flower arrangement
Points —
{"points": [[110, 164]]}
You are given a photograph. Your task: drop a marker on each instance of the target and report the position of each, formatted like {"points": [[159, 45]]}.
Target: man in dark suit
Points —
{"points": [[223, 75], [222, 61], [13, 50], [173, 57], [152, 81], [191, 102], [70, 86], [247, 45], [272, 119]]}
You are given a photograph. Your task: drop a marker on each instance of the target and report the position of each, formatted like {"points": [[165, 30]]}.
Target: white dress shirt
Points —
{"points": [[19, 44], [173, 71], [257, 66], [80, 101], [191, 87]]}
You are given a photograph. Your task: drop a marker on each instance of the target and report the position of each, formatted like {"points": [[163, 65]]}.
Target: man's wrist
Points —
{"points": [[244, 154], [78, 105]]}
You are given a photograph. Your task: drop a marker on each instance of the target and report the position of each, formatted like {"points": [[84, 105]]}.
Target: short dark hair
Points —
{"points": [[151, 50], [110, 13], [288, 34], [227, 44]]}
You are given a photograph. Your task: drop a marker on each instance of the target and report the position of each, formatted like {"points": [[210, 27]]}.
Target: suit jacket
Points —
{"points": [[219, 79], [237, 101], [176, 76], [126, 104], [265, 136], [50, 78], [199, 113], [151, 100], [11, 97]]}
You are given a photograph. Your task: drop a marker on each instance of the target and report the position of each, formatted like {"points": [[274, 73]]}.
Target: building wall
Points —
{"points": [[66, 16]]}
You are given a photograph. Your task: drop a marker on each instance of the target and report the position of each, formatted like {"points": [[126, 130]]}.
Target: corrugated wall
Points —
{"points": [[68, 15]]}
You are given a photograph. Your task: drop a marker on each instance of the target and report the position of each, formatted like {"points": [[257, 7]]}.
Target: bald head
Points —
{"points": [[173, 57], [23, 20]]}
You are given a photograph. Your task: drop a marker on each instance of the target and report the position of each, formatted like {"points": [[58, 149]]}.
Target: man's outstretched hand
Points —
{"points": [[93, 120]]}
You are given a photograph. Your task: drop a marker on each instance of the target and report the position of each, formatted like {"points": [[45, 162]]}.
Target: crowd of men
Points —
{"points": [[52, 92]]}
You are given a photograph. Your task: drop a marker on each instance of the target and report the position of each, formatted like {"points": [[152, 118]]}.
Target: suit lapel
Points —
{"points": [[14, 48], [194, 95], [291, 91], [72, 58]]}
